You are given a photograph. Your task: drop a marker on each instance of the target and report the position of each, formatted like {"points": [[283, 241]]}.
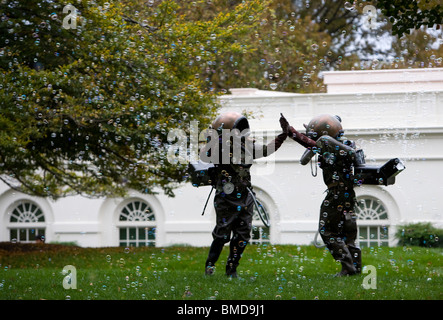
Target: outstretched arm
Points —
{"points": [[270, 148], [302, 139], [274, 145], [295, 135]]}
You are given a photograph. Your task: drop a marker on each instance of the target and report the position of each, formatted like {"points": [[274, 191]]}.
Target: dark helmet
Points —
{"points": [[324, 124], [230, 120]]}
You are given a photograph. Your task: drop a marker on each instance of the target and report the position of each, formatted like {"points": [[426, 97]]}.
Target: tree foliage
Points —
{"points": [[87, 110], [289, 47], [411, 14]]}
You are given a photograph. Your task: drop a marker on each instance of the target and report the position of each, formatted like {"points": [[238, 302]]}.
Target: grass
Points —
{"points": [[266, 272]]}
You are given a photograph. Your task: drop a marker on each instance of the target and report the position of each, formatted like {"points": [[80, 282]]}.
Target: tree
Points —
{"points": [[418, 48], [85, 106], [293, 43], [284, 51], [410, 14]]}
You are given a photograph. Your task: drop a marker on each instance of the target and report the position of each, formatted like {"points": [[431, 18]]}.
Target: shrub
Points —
{"points": [[421, 234]]}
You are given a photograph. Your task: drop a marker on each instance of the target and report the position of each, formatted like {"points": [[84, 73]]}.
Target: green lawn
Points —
{"points": [[266, 272]]}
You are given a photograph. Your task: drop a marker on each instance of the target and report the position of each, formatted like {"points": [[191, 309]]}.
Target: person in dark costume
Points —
{"points": [[337, 157], [234, 197]]}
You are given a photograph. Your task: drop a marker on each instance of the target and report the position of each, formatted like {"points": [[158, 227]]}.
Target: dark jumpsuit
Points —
{"points": [[234, 210], [337, 222]]}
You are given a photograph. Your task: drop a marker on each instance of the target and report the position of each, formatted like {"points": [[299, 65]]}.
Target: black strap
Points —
{"points": [[212, 188]]}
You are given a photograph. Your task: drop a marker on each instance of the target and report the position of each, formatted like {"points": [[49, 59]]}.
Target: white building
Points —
{"points": [[389, 113]]}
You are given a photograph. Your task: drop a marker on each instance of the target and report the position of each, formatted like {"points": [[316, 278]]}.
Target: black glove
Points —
{"points": [[284, 124]]}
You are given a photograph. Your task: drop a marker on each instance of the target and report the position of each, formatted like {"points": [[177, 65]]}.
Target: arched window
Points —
{"points": [[26, 222], [137, 224], [373, 222], [260, 233]]}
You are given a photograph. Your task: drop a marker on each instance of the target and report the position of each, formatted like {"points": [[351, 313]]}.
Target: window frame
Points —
{"points": [[30, 228], [136, 226], [380, 222]]}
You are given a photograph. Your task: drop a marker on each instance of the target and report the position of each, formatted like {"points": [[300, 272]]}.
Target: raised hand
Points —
{"points": [[284, 124]]}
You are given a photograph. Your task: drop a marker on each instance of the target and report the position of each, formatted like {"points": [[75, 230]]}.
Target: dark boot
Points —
{"points": [[214, 253], [341, 253], [347, 268], [231, 269], [236, 249], [356, 257]]}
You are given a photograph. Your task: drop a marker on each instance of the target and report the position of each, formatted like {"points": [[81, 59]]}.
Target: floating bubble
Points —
{"points": [[349, 6]]}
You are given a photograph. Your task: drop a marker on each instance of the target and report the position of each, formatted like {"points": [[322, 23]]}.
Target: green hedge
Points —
{"points": [[421, 234]]}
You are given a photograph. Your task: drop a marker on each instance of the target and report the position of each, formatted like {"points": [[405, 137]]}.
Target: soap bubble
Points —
{"points": [[349, 6]]}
